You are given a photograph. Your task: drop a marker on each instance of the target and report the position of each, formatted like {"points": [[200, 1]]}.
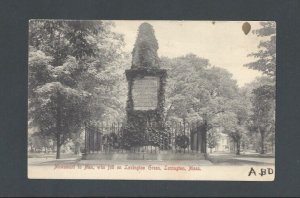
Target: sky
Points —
{"points": [[222, 42]]}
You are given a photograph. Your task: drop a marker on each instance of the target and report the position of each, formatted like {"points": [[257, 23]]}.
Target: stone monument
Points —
{"points": [[146, 93]]}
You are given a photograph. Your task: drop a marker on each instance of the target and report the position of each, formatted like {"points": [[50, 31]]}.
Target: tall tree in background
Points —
{"points": [[69, 68], [263, 89], [261, 94], [197, 91], [235, 119], [263, 117], [266, 55]]}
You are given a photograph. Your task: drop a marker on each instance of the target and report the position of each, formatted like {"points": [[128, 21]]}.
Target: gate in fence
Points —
{"points": [[181, 137]]}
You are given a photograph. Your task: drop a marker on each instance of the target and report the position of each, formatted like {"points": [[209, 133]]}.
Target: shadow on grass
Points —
{"points": [[256, 155], [50, 155], [59, 161], [236, 162], [243, 159]]}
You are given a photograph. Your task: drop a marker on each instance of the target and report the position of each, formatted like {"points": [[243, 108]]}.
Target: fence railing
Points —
{"points": [[109, 137]]}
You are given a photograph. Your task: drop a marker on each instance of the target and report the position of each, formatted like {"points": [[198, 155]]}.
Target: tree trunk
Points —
{"points": [[262, 143], [204, 137], [210, 150], [58, 145], [238, 147], [58, 125]]}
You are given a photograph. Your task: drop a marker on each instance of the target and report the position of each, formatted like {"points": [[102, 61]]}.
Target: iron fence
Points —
{"points": [[109, 137]]}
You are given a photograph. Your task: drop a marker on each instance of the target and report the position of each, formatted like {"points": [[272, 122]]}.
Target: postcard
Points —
{"points": [[151, 100]]}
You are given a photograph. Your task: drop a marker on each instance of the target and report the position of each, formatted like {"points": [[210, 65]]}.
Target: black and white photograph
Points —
{"points": [[151, 100]]}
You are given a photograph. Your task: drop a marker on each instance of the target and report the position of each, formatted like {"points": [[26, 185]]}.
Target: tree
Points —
{"points": [[69, 69], [263, 89], [197, 91], [234, 120], [60, 111], [266, 55], [263, 117], [261, 93], [230, 125]]}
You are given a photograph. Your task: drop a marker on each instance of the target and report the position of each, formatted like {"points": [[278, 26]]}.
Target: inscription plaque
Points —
{"points": [[145, 92]]}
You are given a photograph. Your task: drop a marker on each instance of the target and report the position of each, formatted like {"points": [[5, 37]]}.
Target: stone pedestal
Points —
{"points": [[145, 104], [146, 97]]}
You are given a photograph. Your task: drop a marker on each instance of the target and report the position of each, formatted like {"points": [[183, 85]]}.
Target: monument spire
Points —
{"points": [[144, 54]]}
